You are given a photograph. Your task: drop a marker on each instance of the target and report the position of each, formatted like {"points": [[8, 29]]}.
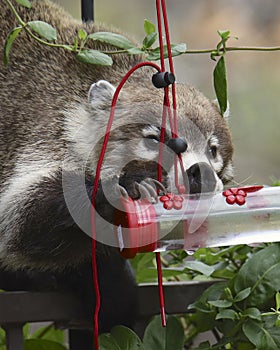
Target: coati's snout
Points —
{"points": [[201, 178]]}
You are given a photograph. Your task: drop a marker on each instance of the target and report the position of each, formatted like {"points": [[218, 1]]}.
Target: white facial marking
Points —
{"points": [[228, 172], [217, 160]]}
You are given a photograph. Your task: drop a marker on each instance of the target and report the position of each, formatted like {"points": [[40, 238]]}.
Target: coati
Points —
{"points": [[53, 115]]}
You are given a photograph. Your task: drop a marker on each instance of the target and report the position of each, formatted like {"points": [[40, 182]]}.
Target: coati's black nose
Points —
{"points": [[201, 178]]}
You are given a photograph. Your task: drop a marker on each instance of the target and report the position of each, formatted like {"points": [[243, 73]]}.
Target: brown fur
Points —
{"points": [[44, 100], [40, 82]]}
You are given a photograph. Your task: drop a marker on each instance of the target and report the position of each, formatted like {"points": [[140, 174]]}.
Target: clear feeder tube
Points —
{"points": [[201, 221]]}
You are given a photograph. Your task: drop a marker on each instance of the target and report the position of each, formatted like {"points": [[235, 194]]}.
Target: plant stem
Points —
{"points": [[21, 22], [215, 51], [237, 48], [43, 42], [25, 27], [236, 328]]}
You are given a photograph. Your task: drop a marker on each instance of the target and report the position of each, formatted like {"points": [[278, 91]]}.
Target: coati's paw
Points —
{"points": [[146, 189]]}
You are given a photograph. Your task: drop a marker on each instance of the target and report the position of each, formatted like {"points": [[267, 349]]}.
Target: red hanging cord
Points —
{"points": [[160, 6], [160, 35], [160, 290], [166, 109], [94, 192], [171, 66]]}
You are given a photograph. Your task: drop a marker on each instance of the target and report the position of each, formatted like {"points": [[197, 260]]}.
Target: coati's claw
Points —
{"points": [[144, 192], [152, 190], [123, 191], [157, 184]]}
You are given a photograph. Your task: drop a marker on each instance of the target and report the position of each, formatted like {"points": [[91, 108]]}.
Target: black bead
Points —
{"points": [[178, 145], [163, 79]]}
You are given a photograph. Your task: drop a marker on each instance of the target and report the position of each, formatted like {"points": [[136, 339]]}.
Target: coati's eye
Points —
{"points": [[151, 136], [151, 141], [213, 151]]}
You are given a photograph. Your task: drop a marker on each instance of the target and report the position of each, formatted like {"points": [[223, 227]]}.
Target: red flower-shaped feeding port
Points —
{"points": [[235, 195], [172, 201], [238, 195]]}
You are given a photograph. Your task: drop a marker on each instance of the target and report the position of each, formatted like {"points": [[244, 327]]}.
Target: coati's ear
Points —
{"points": [[100, 94], [227, 112]]}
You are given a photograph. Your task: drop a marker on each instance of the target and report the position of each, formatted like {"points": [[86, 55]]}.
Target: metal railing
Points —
{"points": [[64, 310]]}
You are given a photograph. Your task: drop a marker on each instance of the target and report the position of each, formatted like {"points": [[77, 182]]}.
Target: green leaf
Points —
{"points": [[69, 47], [2, 336], [253, 313], [150, 274], [262, 274], [204, 346], [228, 294], [94, 57], [205, 321], [149, 27], [147, 275], [220, 303], [176, 50], [135, 51], [277, 301], [212, 256], [223, 274], [76, 43], [45, 30], [214, 292], [112, 38], [277, 322], [26, 330], [143, 261], [126, 339], [82, 34], [170, 337], [200, 267], [25, 3], [261, 337], [224, 34], [243, 294], [149, 40], [9, 42], [49, 333], [174, 334], [220, 84], [42, 344], [270, 322], [227, 314], [199, 305], [107, 341]]}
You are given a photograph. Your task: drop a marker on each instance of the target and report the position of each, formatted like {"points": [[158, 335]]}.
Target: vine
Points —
{"points": [[45, 34]]}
